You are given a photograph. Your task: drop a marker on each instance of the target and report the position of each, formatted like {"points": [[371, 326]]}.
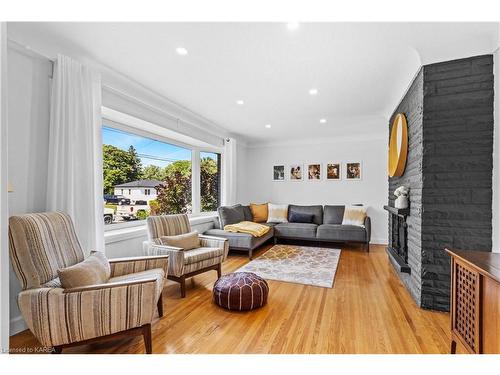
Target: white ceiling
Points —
{"points": [[360, 69]]}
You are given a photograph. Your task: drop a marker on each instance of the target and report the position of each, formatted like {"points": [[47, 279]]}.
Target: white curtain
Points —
{"points": [[229, 172], [75, 150]]}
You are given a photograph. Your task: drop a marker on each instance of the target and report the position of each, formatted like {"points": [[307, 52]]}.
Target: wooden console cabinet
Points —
{"points": [[475, 301]]}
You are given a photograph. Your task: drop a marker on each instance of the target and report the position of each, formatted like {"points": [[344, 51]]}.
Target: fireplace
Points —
{"points": [[449, 112], [397, 249]]}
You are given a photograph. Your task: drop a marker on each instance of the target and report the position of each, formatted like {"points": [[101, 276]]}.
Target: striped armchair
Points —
{"points": [[184, 264], [42, 243]]}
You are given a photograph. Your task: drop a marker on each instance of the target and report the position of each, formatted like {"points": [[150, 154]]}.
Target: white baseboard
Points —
{"points": [[379, 241], [17, 325]]}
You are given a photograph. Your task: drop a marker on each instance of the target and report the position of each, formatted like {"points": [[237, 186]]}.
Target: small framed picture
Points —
{"points": [[296, 172], [279, 172], [314, 172], [353, 170], [333, 172]]}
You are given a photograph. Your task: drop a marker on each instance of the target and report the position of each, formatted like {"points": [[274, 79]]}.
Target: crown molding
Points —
{"points": [[319, 141]]}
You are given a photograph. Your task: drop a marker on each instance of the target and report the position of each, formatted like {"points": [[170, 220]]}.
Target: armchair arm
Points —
{"points": [[175, 257], [125, 266], [108, 285], [368, 228], [58, 317], [211, 241]]}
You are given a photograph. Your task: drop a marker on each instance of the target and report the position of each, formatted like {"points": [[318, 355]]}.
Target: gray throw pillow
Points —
{"points": [[247, 212], [230, 215]]}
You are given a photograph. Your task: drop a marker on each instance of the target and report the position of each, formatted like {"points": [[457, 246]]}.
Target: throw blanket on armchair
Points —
{"points": [[249, 227]]}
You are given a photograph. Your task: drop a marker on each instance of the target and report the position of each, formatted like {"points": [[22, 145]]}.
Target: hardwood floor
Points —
{"points": [[368, 310]]}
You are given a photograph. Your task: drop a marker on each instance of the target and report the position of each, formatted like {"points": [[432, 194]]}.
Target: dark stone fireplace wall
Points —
{"points": [[449, 108]]}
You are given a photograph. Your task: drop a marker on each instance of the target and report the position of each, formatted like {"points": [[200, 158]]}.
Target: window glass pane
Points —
{"points": [[210, 180], [143, 176]]}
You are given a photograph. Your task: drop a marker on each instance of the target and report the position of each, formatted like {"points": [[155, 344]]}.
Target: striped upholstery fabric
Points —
{"points": [[212, 251], [202, 253], [155, 273], [167, 225], [188, 268], [130, 266], [58, 318], [39, 245]]}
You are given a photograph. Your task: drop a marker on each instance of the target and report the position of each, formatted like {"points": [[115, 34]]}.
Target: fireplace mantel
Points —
{"points": [[398, 211]]}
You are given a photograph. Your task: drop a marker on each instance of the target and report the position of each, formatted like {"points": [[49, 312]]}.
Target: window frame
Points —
{"points": [[195, 168]]}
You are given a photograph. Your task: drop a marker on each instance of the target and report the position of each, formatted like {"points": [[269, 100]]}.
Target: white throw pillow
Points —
{"points": [[354, 215], [277, 213]]}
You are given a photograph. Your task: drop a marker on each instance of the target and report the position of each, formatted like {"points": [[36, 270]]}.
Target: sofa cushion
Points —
{"points": [[296, 230], [259, 212], [336, 232], [317, 211], [231, 214], [247, 213], [354, 215], [277, 213], [241, 240], [333, 214], [299, 217]]}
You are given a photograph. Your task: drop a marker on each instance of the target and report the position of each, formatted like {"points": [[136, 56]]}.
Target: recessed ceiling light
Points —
{"points": [[292, 25], [240, 102], [268, 126], [313, 92], [181, 51], [322, 121]]}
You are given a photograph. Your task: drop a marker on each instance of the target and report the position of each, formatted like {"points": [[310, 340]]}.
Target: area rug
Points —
{"points": [[296, 264]]}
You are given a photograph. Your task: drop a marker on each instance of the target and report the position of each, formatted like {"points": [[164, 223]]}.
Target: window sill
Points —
{"points": [[138, 229]]}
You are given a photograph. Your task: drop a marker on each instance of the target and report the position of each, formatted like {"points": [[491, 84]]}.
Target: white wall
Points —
{"points": [[496, 154], [28, 126], [4, 256], [371, 190]]}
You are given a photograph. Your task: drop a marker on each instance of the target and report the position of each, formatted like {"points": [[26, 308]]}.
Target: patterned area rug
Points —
{"points": [[296, 264]]}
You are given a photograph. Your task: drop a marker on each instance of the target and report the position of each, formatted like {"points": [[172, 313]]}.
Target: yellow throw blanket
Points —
{"points": [[255, 229]]}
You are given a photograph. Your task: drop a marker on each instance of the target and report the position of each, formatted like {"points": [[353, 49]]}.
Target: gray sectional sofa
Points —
{"points": [[326, 226]]}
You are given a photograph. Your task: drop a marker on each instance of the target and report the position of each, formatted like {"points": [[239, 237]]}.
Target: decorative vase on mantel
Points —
{"points": [[401, 194], [401, 202]]}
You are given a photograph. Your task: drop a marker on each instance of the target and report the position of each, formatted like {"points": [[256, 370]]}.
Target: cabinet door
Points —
{"points": [[466, 305]]}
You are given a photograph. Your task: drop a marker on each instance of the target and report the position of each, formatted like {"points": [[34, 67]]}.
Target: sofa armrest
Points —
{"points": [[368, 228], [125, 266]]}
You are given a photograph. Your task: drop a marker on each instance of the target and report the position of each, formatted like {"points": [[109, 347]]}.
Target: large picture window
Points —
{"points": [[144, 176]]}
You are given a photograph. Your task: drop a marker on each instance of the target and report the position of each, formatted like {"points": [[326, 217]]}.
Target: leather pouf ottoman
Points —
{"points": [[240, 291]]}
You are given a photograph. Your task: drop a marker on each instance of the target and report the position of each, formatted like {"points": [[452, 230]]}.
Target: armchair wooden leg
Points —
{"points": [[146, 333], [219, 270], [250, 253], [160, 306], [367, 247], [183, 286]]}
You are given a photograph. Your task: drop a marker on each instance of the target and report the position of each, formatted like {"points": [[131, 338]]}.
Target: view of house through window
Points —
{"points": [[143, 176]]}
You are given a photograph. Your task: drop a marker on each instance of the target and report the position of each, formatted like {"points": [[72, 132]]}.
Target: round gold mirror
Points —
{"points": [[398, 146]]}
